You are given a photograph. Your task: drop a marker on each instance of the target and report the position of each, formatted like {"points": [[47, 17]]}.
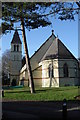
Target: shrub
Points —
{"points": [[13, 82]]}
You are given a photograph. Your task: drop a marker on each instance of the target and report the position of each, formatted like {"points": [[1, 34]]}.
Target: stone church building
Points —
{"points": [[53, 65]]}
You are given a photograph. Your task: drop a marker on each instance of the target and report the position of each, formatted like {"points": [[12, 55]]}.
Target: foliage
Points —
{"points": [[42, 94], [13, 12], [36, 14]]}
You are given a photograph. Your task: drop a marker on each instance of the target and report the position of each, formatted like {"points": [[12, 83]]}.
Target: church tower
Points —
{"points": [[16, 58]]}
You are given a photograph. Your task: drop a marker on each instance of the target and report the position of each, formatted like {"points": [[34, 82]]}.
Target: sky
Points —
{"points": [[67, 32]]}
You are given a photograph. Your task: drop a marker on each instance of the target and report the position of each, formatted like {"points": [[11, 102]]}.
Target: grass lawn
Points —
{"points": [[42, 94]]}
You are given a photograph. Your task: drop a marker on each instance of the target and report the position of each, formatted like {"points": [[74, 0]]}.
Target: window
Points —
{"points": [[65, 70], [17, 47], [14, 47], [50, 71]]}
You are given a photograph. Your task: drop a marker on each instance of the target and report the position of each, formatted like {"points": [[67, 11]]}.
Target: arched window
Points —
{"points": [[50, 71], [17, 47], [65, 70]]}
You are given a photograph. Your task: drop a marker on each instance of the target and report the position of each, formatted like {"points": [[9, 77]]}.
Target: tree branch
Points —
{"points": [[78, 4], [71, 9]]}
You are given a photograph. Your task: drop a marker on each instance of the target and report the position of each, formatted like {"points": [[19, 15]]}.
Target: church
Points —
{"points": [[53, 65]]}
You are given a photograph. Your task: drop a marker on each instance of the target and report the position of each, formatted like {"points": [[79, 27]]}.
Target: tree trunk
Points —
{"points": [[27, 58]]}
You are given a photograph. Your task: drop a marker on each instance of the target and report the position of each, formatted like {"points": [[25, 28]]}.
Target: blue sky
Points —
{"points": [[67, 32]]}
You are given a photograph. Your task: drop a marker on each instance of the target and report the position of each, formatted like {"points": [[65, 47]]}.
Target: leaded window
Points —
{"points": [[65, 70]]}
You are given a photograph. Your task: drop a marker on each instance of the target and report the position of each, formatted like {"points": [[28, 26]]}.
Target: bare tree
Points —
{"points": [[5, 67]]}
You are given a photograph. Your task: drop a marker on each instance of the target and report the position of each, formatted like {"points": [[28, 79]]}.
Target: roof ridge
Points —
{"points": [[47, 50], [42, 45], [55, 40]]}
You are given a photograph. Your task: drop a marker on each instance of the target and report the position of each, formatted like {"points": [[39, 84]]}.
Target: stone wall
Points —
{"points": [[41, 73], [16, 63], [45, 73], [72, 78], [37, 77]]}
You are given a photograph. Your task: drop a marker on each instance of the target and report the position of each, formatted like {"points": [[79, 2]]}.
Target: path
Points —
{"points": [[39, 110]]}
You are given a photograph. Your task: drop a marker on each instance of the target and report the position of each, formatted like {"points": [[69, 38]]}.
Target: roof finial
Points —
{"points": [[16, 28], [52, 32]]}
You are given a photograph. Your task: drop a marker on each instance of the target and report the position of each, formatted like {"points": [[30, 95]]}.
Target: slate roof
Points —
{"points": [[57, 50], [16, 38], [63, 51], [38, 55], [52, 51], [52, 48]]}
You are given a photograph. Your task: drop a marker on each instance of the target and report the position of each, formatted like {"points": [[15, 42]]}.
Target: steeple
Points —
{"points": [[16, 38], [16, 58]]}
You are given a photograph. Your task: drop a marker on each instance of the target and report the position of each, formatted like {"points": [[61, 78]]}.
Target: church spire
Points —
{"points": [[16, 38]]}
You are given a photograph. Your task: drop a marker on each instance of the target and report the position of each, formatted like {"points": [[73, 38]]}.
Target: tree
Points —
{"points": [[6, 68], [25, 14], [34, 15]]}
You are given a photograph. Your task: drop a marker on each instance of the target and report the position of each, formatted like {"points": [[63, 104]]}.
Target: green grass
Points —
{"points": [[42, 94]]}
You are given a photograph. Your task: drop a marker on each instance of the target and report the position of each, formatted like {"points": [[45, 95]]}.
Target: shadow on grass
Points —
{"points": [[65, 89], [38, 90], [18, 91], [28, 91], [57, 89]]}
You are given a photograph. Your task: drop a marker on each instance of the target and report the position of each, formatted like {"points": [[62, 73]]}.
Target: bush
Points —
{"points": [[13, 82]]}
